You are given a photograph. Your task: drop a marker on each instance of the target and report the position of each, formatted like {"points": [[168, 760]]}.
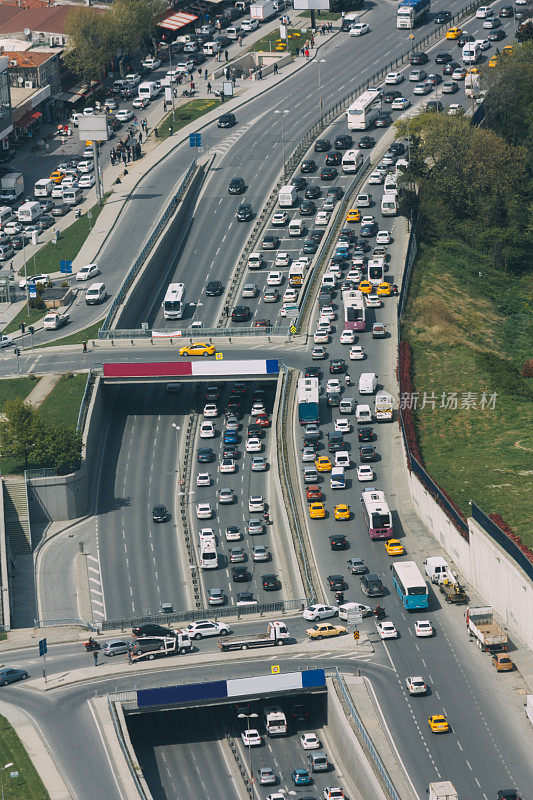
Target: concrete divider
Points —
{"points": [[5, 604]]}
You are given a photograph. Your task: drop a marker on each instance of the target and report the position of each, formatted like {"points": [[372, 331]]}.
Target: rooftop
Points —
{"points": [[50, 19]]}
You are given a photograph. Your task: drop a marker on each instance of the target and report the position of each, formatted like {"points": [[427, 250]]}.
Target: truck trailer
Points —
{"points": [[263, 11], [161, 646], [276, 633], [489, 635], [442, 790]]}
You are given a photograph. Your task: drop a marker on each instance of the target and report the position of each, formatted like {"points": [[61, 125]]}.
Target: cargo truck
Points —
{"points": [[442, 790], [489, 635], [276, 633], [159, 646], [263, 11], [11, 187], [452, 590], [384, 407], [53, 321]]}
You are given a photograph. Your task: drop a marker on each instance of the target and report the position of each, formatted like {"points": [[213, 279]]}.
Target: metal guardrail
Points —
{"points": [[44, 472], [181, 334], [59, 623], [499, 536], [125, 753], [214, 612], [123, 697], [85, 401], [185, 479], [139, 261]]}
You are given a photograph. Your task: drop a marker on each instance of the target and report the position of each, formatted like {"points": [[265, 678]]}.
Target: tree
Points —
{"points": [[133, 22], [91, 44], [20, 431], [59, 447]]}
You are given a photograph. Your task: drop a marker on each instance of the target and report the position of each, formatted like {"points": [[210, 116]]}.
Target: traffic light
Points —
{"points": [[22, 327], [31, 330]]}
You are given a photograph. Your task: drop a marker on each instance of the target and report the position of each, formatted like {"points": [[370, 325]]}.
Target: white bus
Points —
{"points": [[174, 302], [377, 515], [376, 271], [208, 549], [410, 12], [351, 161], [362, 113]]}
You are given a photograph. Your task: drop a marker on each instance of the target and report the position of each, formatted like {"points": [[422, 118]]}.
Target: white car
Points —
{"points": [[394, 77], [354, 274], [359, 29], [310, 741], [357, 353], [87, 272], [204, 511], [141, 102], [228, 465], [387, 630], [39, 280], [333, 793], [233, 533], [274, 278], [456, 109], [328, 312], [416, 685], [376, 177], [253, 445], [12, 228], [366, 611], [256, 502], [347, 337], [483, 12], [6, 341], [251, 738], [333, 386], [321, 337], [86, 166], [206, 627], [203, 479], [400, 103], [151, 63], [373, 301], [365, 473], [124, 115], [290, 296], [308, 455], [342, 425], [363, 200], [323, 325], [368, 219], [322, 218], [283, 259], [318, 611], [342, 459], [57, 192], [383, 237], [210, 410], [423, 627], [207, 430], [88, 111], [280, 218], [86, 181]]}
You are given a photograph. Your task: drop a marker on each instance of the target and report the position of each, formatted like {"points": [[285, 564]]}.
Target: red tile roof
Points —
{"points": [[29, 58], [50, 19]]}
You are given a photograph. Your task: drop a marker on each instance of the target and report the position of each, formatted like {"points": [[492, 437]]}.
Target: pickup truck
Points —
{"points": [[481, 625], [53, 321]]}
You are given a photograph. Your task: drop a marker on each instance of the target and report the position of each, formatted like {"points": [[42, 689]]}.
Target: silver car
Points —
{"points": [[115, 647], [266, 776], [255, 526], [260, 553]]}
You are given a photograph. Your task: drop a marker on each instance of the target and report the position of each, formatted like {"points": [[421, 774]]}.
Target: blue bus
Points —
{"points": [[410, 585]]}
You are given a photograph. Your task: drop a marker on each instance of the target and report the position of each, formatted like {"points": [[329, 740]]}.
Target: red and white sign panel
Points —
{"points": [[176, 21]]}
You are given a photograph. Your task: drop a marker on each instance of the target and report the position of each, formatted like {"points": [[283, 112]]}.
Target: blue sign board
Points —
{"points": [[43, 647], [65, 266], [195, 139], [32, 290]]}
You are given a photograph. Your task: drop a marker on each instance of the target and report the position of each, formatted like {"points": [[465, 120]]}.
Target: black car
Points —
{"points": [[365, 434], [371, 585], [159, 514], [443, 58], [390, 95], [270, 583], [335, 192], [214, 289], [244, 212], [312, 192], [338, 541], [240, 574], [245, 597], [418, 58], [333, 159], [151, 629], [197, 58], [308, 166], [367, 454], [336, 583], [450, 67], [236, 186], [506, 11], [434, 105], [115, 125], [343, 142], [336, 442], [224, 41], [226, 121], [337, 365], [241, 314], [317, 235], [328, 174], [496, 36], [507, 794], [18, 242], [366, 142], [299, 183], [255, 431], [322, 145], [383, 120], [397, 148], [464, 39], [307, 208], [270, 242], [45, 222], [441, 17], [46, 203], [310, 247], [60, 210], [204, 455], [348, 233]]}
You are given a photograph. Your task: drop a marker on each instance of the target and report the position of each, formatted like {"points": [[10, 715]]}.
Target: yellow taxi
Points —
{"points": [[438, 723], [324, 629], [384, 289], [57, 176], [394, 547], [473, 71], [366, 287], [507, 50], [342, 511], [198, 349], [494, 61], [353, 215], [454, 33], [317, 511], [323, 464]]}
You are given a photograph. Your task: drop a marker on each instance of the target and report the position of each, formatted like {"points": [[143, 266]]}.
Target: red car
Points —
{"points": [[261, 323], [263, 420], [313, 493]]}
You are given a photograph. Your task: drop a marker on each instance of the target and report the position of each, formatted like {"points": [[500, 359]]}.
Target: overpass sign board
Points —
{"points": [[185, 369]]}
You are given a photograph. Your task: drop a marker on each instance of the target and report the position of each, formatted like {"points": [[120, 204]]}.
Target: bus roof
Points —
{"points": [[364, 100], [408, 573]]}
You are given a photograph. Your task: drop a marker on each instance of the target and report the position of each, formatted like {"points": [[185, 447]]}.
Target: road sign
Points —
{"points": [[43, 647], [32, 290], [275, 670], [354, 616], [293, 329], [219, 356], [13, 774], [65, 266], [195, 140], [356, 635]]}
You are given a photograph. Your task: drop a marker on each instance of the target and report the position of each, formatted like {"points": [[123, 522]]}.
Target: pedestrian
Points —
{"points": [[140, 137], [192, 86], [130, 661], [170, 131], [234, 81], [226, 73], [156, 133], [312, 41], [240, 41], [84, 346], [307, 52], [205, 75], [275, 69], [124, 158], [199, 72], [226, 55], [208, 88], [95, 657], [296, 51], [11, 266], [330, 27], [260, 74]]}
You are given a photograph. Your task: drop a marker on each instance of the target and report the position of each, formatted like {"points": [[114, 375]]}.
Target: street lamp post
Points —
{"points": [[248, 717], [10, 764], [318, 63], [283, 135], [177, 429]]}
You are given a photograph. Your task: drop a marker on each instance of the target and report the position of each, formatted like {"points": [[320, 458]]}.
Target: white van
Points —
{"points": [[347, 405], [233, 32], [329, 280], [148, 89], [363, 414], [390, 186], [351, 161], [368, 382], [72, 195], [296, 227], [211, 48], [471, 52], [337, 479], [29, 212], [6, 213], [95, 294], [389, 205], [287, 196], [43, 187]]}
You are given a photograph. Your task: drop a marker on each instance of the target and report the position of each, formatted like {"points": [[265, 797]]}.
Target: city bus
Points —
{"points": [[410, 585], [296, 274], [308, 401], [411, 12], [174, 302], [362, 113], [376, 514], [354, 310]]}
